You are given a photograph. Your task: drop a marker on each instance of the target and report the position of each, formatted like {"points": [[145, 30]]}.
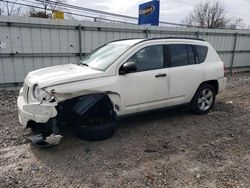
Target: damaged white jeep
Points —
{"points": [[120, 78]]}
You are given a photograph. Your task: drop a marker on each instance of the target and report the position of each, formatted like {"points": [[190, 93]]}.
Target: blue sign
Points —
{"points": [[149, 13]]}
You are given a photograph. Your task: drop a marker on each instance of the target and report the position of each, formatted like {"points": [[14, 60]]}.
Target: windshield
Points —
{"points": [[103, 57]]}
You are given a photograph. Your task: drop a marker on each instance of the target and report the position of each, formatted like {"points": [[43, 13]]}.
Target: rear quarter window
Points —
{"points": [[201, 52]]}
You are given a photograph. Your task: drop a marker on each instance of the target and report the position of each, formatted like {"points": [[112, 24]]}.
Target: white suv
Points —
{"points": [[120, 78]]}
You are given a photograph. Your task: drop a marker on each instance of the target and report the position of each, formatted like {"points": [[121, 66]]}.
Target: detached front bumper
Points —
{"points": [[37, 112]]}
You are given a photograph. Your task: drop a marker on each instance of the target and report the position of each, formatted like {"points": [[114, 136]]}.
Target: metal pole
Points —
{"points": [[146, 32], [80, 40], [233, 56], [198, 34]]}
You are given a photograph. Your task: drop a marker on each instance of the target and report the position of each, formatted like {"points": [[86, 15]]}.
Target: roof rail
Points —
{"points": [[125, 39], [174, 38], [157, 38]]}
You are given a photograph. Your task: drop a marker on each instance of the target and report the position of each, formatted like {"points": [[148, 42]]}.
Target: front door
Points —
{"points": [[147, 88]]}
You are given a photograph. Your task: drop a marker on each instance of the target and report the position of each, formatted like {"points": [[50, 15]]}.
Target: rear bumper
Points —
{"points": [[222, 84], [37, 112]]}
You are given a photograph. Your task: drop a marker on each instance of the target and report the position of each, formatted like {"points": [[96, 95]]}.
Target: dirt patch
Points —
{"points": [[171, 148]]}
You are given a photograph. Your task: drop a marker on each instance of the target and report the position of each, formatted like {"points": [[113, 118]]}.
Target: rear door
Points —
{"points": [[185, 73]]}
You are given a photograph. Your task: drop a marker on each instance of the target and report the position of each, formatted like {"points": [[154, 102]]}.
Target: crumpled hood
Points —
{"points": [[61, 74]]}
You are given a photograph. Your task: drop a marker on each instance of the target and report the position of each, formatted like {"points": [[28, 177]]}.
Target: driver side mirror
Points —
{"points": [[128, 67]]}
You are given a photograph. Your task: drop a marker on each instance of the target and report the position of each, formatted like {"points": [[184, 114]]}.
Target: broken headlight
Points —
{"points": [[36, 91], [40, 94]]}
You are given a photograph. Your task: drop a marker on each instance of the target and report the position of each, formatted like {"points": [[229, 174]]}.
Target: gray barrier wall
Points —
{"points": [[31, 43]]}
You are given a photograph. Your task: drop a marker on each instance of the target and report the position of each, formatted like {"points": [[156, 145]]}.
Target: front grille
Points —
{"points": [[25, 92]]}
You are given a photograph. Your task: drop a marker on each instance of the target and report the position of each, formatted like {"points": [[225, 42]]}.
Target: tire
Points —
{"points": [[203, 99], [96, 132]]}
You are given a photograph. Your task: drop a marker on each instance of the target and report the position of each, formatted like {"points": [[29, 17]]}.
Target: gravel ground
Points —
{"points": [[171, 148]]}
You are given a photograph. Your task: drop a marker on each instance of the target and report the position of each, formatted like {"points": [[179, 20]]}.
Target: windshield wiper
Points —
{"points": [[84, 64]]}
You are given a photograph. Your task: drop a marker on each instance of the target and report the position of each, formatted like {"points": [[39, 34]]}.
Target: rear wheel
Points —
{"points": [[203, 99]]}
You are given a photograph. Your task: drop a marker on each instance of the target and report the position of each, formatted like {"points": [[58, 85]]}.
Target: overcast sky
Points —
{"points": [[170, 10]]}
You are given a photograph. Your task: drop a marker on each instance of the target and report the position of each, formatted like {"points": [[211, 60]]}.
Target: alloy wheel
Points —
{"points": [[205, 99]]}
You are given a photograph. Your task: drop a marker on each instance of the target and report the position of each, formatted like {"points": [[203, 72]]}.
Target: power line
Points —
{"points": [[89, 10], [108, 13], [93, 11], [184, 2], [83, 15]]}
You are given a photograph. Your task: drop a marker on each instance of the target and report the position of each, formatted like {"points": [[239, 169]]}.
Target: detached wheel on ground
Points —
{"points": [[203, 99], [96, 132]]}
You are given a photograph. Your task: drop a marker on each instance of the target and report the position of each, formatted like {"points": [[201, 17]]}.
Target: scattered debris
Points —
{"points": [[150, 177], [182, 150], [40, 141], [20, 168], [224, 163], [150, 151], [231, 135], [87, 150], [198, 176]]}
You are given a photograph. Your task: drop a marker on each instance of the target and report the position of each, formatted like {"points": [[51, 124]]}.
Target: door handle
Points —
{"points": [[160, 75]]}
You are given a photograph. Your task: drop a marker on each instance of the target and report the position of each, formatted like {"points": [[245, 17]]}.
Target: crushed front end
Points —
{"points": [[34, 113], [44, 110]]}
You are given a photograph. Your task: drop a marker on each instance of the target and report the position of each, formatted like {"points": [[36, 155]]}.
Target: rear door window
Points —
{"points": [[179, 55]]}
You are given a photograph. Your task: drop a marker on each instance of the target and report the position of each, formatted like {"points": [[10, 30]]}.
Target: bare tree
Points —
{"points": [[9, 9], [38, 13], [211, 14], [48, 7], [235, 23]]}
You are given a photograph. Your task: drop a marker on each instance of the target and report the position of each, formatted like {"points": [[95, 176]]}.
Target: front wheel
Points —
{"points": [[96, 132], [203, 99]]}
